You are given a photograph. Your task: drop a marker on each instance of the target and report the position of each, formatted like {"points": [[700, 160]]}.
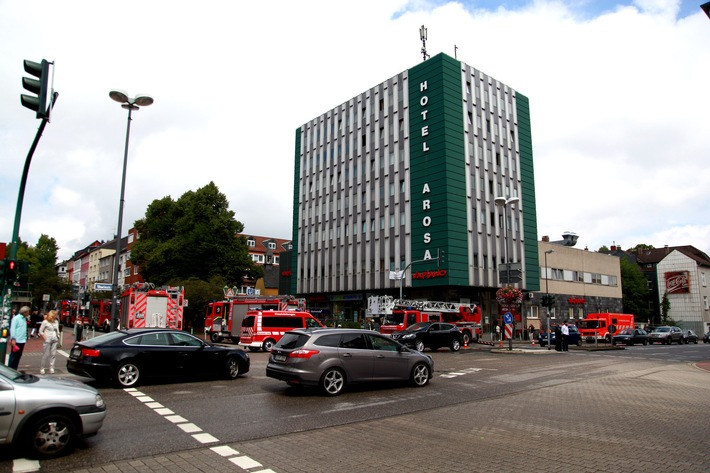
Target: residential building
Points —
{"points": [[395, 190], [582, 282], [265, 252]]}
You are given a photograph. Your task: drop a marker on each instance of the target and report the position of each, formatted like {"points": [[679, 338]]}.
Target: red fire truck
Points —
{"points": [[143, 305], [223, 319], [68, 311], [100, 314], [398, 314], [597, 326]]}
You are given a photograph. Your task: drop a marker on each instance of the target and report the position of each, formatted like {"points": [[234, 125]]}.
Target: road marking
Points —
{"points": [[22, 465], [456, 374], [226, 451]]}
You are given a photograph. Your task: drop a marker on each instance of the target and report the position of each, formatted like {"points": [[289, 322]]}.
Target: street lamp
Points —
{"points": [[706, 8], [129, 104], [547, 301], [503, 202]]}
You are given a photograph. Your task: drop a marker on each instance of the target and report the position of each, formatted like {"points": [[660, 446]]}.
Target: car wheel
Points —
{"points": [[650, 342], [332, 382], [215, 338], [419, 345], [644, 342], [268, 345], [466, 338], [232, 368], [579, 342], [455, 344], [128, 374], [682, 341], [51, 436], [420, 374]]}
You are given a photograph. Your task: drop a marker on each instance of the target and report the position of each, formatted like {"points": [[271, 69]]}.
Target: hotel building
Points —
{"points": [[395, 192]]}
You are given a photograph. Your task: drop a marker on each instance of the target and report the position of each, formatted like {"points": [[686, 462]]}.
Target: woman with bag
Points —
{"points": [[49, 331]]}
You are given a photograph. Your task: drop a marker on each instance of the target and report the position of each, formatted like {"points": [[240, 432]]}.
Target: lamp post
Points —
{"points": [[129, 104], [503, 202], [547, 301], [706, 8]]}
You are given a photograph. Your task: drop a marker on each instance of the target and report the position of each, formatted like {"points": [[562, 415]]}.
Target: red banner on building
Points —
{"points": [[677, 282]]}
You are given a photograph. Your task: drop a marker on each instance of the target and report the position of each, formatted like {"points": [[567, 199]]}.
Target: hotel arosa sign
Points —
{"points": [[426, 190]]}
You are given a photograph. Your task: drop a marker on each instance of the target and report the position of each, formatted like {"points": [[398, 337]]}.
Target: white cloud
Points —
{"points": [[617, 97]]}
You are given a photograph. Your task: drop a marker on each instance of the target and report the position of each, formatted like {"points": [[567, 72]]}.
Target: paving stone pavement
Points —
{"points": [[654, 418]]}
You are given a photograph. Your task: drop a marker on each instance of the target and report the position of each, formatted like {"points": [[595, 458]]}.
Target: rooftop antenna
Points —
{"points": [[456, 48], [422, 35]]}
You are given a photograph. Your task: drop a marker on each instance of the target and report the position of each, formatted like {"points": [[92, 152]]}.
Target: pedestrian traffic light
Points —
{"points": [[39, 86], [11, 270]]}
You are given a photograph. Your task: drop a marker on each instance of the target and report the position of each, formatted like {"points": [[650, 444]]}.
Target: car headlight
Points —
{"points": [[408, 336], [100, 402]]}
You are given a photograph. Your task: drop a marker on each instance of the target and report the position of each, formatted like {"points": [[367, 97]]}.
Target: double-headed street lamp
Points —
{"points": [[129, 104], [547, 301], [503, 202]]}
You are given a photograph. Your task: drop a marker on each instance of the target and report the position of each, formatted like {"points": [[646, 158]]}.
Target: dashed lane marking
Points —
{"points": [[242, 461]]}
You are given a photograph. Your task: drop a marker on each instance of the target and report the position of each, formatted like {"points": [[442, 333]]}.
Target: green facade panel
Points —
{"points": [[296, 205], [527, 174], [437, 178]]}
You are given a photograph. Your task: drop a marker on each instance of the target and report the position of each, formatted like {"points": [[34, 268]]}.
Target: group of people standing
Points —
{"points": [[48, 330]]}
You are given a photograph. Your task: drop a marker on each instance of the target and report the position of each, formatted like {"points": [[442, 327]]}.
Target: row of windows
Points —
{"points": [[252, 243], [569, 275], [270, 259]]}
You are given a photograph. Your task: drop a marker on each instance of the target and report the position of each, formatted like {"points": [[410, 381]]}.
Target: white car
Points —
{"points": [[43, 416]]}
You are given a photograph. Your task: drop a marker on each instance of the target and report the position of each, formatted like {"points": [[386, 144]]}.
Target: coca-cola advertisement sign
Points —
{"points": [[677, 282]]}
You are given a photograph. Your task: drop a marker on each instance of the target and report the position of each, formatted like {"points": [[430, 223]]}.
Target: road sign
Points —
{"points": [[508, 331], [508, 318], [99, 286], [510, 277]]}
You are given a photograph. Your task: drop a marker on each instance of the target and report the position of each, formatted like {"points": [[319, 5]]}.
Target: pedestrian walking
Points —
{"points": [[35, 322], [558, 338], [49, 331], [565, 336], [531, 329], [18, 334]]}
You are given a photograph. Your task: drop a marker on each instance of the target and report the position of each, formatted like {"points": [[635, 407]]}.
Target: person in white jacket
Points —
{"points": [[49, 331]]}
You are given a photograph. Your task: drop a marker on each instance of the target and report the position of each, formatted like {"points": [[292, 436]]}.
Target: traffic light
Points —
{"points": [[39, 86], [11, 270], [548, 300]]}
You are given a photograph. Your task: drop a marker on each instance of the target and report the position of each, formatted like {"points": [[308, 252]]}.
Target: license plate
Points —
{"points": [[280, 357]]}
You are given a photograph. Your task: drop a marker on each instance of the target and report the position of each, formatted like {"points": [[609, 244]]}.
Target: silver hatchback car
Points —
{"points": [[332, 358], [44, 416]]}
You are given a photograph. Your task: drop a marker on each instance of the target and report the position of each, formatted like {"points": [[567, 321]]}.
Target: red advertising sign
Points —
{"points": [[677, 282]]}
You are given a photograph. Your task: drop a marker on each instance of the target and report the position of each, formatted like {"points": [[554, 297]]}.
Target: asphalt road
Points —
{"points": [[608, 410]]}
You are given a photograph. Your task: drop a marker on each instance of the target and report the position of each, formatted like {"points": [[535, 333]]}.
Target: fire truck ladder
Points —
{"points": [[385, 304]]}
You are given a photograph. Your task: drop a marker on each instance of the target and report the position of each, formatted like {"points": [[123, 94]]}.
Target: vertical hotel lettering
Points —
{"points": [[426, 202]]}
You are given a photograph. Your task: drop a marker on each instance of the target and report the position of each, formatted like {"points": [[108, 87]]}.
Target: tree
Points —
{"points": [[193, 237], [642, 246], [634, 290], [665, 307], [42, 275], [199, 293]]}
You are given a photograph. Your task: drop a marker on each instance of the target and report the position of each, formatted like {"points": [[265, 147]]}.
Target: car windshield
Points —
{"points": [[16, 376], [626, 332], [418, 326], [662, 329], [394, 319]]}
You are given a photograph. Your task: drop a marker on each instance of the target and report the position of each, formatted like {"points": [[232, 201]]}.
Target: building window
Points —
{"points": [[702, 279], [251, 243], [705, 302], [533, 312], [272, 245]]}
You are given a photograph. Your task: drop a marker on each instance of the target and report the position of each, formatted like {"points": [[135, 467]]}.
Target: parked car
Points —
{"points": [[333, 358], [666, 334], [44, 416], [631, 336], [574, 336], [690, 337], [706, 337], [432, 335], [127, 357]]}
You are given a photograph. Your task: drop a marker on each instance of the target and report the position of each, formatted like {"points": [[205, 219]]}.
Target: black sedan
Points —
{"points": [[127, 357], [690, 337], [631, 336], [432, 335], [574, 337], [706, 337]]}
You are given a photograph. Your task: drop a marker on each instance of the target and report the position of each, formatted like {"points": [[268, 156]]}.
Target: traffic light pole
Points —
{"points": [[8, 285]]}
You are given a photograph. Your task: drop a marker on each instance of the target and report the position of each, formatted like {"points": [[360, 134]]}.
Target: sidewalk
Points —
{"points": [[32, 354]]}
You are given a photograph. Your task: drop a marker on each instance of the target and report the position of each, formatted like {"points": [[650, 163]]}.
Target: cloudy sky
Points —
{"points": [[618, 93]]}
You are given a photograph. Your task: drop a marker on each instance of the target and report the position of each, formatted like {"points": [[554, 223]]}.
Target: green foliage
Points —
{"points": [[193, 237], [42, 273], [199, 293], [634, 290], [665, 308], [604, 249], [642, 246]]}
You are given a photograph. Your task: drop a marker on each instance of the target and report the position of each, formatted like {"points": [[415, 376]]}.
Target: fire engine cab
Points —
{"points": [[143, 306], [223, 319]]}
